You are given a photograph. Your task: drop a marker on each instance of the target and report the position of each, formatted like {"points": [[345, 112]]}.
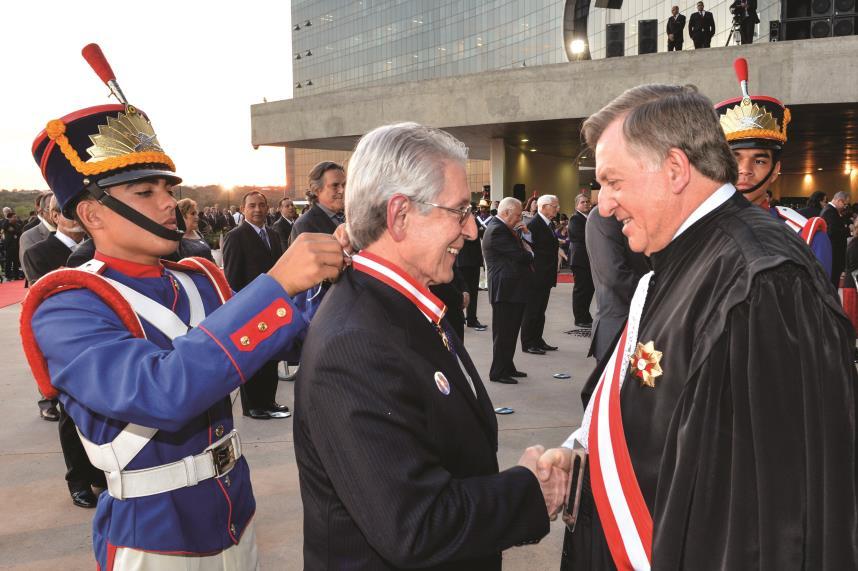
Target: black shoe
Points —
{"points": [[84, 498], [534, 351], [546, 347], [518, 374], [505, 381], [278, 408], [477, 325], [587, 325], [51, 413], [272, 413], [257, 413]]}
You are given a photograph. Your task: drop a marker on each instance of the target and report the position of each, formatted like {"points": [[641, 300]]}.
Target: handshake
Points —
{"points": [[556, 469]]}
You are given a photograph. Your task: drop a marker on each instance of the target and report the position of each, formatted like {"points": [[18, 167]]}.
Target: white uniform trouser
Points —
{"points": [[239, 557]]}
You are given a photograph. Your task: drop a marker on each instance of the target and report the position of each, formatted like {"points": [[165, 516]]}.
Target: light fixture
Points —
{"points": [[309, 53], [298, 85], [577, 46], [309, 82], [308, 23], [298, 56], [297, 27], [532, 150], [819, 168], [524, 139]]}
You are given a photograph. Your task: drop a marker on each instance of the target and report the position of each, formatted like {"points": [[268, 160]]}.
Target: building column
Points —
{"points": [[497, 157], [290, 173]]}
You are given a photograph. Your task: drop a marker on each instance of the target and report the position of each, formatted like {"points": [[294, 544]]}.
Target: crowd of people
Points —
{"points": [[724, 358]]}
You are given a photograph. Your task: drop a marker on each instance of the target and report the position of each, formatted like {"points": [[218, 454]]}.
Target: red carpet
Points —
{"points": [[565, 279], [12, 293]]}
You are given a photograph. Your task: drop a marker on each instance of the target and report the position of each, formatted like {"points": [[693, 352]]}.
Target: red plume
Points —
{"points": [[95, 58], [740, 65]]}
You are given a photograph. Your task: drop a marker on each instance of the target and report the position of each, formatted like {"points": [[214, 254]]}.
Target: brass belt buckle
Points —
{"points": [[576, 482], [223, 455]]}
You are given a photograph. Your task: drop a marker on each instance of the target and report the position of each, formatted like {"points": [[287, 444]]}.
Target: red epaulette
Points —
{"points": [[65, 279], [812, 227]]}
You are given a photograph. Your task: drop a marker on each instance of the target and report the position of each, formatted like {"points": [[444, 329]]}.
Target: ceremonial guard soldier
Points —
{"points": [[143, 354], [756, 129]]}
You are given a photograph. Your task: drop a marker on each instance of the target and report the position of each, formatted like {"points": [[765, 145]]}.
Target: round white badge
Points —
{"points": [[442, 383]]}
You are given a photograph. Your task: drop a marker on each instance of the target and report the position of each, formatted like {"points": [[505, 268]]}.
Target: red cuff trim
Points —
{"points": [[262, 325], [222, 348]]}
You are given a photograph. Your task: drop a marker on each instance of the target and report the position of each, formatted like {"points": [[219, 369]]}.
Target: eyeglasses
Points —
{"points": [[462, 213]]}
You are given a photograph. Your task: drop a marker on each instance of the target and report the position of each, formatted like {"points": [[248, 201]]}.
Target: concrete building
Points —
{"points": [[510, 79]]}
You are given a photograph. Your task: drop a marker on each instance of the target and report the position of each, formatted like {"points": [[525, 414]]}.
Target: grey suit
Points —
{"points": [[32, 236], [616, 271]]}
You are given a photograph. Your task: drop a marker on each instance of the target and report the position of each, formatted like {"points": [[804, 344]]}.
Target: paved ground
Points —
{"points": [[41, 529]]}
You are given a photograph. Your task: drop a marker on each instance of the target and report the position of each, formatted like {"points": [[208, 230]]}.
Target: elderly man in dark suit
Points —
{"points": [[545, 246], [39, 228], [397, 460], [675, 30], [582, 292], [327, 182], [701, 27], [838, 233], [616, 271], [283, 225], [249, 250], [509, 264]]}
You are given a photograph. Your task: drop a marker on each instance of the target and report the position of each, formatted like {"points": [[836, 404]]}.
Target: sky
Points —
{"points": [[193, 67]]}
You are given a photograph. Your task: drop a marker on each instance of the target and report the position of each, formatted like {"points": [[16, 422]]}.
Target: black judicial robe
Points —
{"points": [[745, 450]]}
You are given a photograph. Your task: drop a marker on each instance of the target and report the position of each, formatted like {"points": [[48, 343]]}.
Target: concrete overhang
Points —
{"points": [[812, 75]]}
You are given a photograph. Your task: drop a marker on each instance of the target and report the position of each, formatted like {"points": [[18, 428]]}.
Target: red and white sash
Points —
{"points": [[623, 512]]}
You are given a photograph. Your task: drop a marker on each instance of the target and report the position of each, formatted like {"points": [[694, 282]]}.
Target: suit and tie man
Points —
{"points": [[675, 30], [509, 264], [252, 249], [582, 291], [397, 461], [838, 233], [701, 27], [283, 225], [545, 246], [745, 11], [39, 228], [468, 263], [327, 187]]}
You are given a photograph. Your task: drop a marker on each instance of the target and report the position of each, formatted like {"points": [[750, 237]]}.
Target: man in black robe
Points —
{"points": [[742, 439]]}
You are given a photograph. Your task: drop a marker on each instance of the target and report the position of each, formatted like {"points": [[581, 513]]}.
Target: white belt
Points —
{"points": [[215, 461]]}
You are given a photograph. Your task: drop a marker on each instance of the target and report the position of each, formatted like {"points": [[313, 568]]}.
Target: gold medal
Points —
{"points": [[645, 364]]}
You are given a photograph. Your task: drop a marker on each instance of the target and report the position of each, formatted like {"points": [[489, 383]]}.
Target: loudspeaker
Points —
{"points": [[820, 7], [841, 6], [647, 36], [844, 26], [820, 28], [615, 40], [610, 4], [518, 191], [774, 30]]}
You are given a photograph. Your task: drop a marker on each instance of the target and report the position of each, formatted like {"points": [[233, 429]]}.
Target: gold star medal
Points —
{"points": [[645, 364]]}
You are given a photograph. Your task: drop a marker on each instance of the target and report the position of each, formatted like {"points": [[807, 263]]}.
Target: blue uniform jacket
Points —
{"points": [[820, 245], [108, 378]]}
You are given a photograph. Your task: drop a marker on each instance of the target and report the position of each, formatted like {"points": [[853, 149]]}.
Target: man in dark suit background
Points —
{"points": [[327, 185], [249, 250], [701, 27], [838, 233], [509, 266], [746, 12], [582, 291], [283, 226], [545, 246], [675, 30], [397, 461], [469, 261], [616, 271]]}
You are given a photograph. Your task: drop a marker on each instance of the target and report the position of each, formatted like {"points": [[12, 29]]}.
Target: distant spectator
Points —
{"points": [[814, 204], [837, 218], [237, 216], [675, 30], [771, 199], [327, 183], [192, 243], [529, 211], [11, 227], [701, 27], [745, 13], [283, 225]]}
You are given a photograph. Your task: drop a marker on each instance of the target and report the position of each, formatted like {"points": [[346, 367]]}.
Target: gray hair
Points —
{"points": [[657, 118], [508, 204], [546, 199], [581, 198], [402, 158], [841, 196]]}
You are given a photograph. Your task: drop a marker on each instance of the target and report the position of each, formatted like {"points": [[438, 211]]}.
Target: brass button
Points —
{"points": [[226, 480], [245, 340], [219, 431], [232, 528], [262, 326], [281, 312]]}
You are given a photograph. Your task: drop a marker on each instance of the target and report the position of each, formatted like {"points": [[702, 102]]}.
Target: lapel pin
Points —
{"points": [[646, 364]]}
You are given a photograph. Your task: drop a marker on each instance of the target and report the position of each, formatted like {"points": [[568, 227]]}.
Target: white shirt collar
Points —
{"points": [[715, 200], [587, 216], [67, 240], [255, 227], [48, 225], [545, 218]]}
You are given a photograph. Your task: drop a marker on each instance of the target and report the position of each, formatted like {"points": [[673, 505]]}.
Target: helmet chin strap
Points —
{"points": [[135, 217], [757, 186]]}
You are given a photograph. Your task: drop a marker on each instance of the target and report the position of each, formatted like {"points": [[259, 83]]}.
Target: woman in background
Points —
{"points": [[192, 243]]}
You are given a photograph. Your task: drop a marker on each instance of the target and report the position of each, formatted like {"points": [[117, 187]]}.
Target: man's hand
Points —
{"points": [[310, 259], [466, 299], [553, 480]]}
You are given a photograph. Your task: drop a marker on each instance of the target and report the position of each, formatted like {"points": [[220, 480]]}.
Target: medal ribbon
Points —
{"points": [[623, 512]]}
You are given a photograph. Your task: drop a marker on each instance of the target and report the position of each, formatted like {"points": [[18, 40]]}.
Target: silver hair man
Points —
{"points": [[545, 199], [403, 158], [507, 204]]}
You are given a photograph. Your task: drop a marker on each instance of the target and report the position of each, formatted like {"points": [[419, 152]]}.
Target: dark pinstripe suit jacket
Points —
{"points": [[393, 472]]}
